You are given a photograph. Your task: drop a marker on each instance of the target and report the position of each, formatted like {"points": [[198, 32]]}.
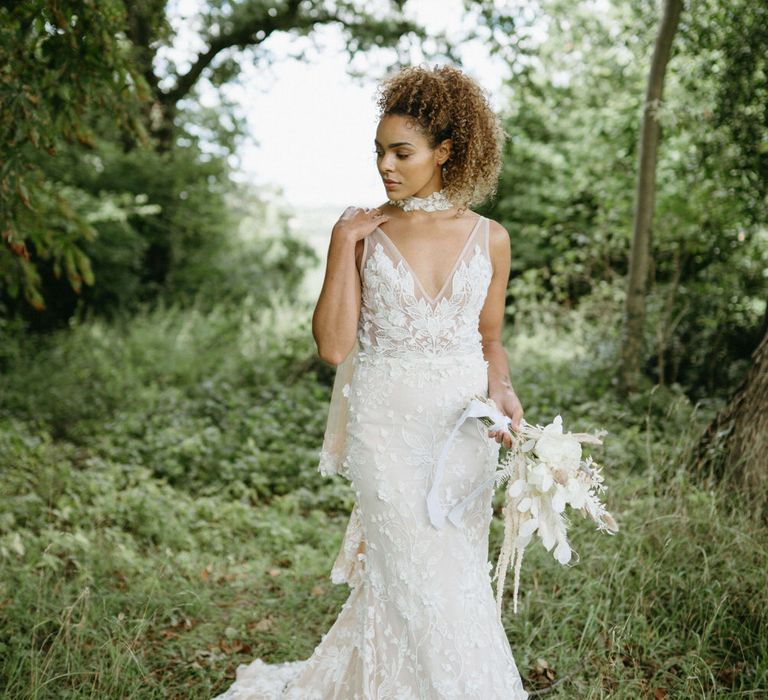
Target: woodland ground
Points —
{"points": [[162, 519]]}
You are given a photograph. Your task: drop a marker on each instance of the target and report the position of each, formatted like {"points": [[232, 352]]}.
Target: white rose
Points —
{"points": [[557, 449]]}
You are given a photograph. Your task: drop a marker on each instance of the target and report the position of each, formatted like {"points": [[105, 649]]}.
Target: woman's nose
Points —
{"points": [[386, 164]]}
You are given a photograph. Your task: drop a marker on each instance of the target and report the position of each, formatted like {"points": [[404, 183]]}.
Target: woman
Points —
{"points": [[411, 311]]}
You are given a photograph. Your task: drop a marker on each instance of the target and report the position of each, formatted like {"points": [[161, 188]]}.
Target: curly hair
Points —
{"points": [[446, 103]]}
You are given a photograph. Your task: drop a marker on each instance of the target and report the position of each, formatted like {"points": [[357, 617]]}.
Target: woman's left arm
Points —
{"points": [[491, 323]]}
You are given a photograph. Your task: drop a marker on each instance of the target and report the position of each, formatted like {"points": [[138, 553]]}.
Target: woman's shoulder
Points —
{"points": [[498, 238], [496, 230]]}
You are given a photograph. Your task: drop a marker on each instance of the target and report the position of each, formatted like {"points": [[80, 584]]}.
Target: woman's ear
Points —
{"points": [[443, 151]]}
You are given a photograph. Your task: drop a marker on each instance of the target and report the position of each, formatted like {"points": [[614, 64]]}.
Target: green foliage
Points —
{"points": [[161, 516], [568, 184], [197, 401], [108, 562], [731, 39], [248, 251], [162, 520], [73, 75], [59, 62], [169, 225]]}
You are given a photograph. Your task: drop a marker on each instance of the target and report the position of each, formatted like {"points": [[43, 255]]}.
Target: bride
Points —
{"points": [[411, 312]]}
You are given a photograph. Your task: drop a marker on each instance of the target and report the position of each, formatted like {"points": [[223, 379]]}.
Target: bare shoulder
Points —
{"points": [[498, 239], [499, 247], [498, 234]]}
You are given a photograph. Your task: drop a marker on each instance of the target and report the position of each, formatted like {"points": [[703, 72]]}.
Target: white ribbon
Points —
{"points": [[475, 409]]}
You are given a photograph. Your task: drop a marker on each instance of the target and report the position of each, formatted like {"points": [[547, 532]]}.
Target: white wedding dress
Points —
{"points": [[420, 622]]}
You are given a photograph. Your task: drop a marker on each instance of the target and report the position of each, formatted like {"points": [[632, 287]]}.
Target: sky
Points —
{"points": [[312, 125]]}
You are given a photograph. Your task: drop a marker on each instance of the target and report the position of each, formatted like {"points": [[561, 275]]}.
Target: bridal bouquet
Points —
{"points": [[545, 472]]}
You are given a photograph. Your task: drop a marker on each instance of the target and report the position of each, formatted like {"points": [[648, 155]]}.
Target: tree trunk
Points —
{"points": [[734, 447], [632, 347]]}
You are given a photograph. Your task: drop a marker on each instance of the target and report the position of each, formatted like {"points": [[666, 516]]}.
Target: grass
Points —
{"points": [[161, 519]]}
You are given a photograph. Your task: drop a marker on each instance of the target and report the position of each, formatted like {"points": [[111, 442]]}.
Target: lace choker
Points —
{"points": [[436, 201]]}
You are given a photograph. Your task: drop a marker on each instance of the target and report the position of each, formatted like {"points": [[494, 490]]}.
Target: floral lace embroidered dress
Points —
{"points": [[420, 622]]}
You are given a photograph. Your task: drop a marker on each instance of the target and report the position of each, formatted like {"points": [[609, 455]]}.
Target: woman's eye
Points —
{"points": [[402, 156]]}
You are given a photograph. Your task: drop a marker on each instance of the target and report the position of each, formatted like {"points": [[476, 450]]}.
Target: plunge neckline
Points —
{"points": [[430, 298]]}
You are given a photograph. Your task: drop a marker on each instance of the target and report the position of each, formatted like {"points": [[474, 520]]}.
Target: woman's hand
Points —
{"points": [[356, 223], [507, 402]]}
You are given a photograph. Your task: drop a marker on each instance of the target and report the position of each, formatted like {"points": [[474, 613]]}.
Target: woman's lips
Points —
{"points": [[390, 185]]}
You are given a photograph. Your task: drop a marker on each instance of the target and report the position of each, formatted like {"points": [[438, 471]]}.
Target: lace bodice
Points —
{"points": [[399, 319]]}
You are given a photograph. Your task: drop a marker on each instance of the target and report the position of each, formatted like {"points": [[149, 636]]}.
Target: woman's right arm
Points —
{"points": [[334, 322]]}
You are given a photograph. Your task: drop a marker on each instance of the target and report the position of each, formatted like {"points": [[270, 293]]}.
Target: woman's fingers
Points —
{"points": [[365, 218], [515, 418], [374, 214], [501, 436]]}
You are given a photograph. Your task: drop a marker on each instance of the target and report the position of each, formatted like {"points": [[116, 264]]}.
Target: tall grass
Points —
{"points": [[162, 520]]}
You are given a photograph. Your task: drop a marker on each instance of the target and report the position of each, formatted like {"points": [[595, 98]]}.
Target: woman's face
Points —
{"points": [[406, 163]]}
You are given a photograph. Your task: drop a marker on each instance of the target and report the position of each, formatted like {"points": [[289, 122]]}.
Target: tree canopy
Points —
{"points": [[74, 77]]}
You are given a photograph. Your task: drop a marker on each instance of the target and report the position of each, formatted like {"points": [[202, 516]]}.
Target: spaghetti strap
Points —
{"points": [[363, 256]]}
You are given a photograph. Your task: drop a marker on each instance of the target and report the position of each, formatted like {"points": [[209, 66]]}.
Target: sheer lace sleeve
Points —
{"points": [[334, 446], [333, 450]]}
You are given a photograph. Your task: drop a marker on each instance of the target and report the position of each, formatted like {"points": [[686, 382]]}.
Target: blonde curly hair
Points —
{"points": [[447, 103]]}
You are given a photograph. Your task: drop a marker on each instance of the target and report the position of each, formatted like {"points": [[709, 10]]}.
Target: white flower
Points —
{"points": [[563, 552], [559, 499], [540, 477], [517, 488], [577, 492], [544, 473], [547, 530], [528, 527], [557, 449], [524, 505]]}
